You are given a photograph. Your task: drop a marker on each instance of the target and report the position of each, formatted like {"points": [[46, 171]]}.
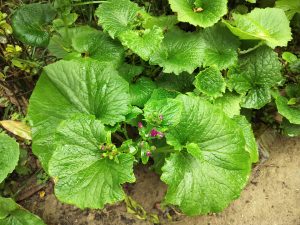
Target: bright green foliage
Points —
{"points": [[84, 178], [269, 25], [165, 112], [251, 145], [180, 51], [289, 111], [203, 13], [141, 91], [211, 175], [75, 87], [116, 17], [85, 41], [29, 23], [164, 22], [210, 82], [290, 7], [221, 47], [143, 43], [229, 103], [97, 45], [9, 152], [254, 75], [13, 214], [289, 57]]}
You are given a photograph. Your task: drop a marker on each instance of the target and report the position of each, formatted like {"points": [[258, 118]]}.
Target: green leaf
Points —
{"points": [[9, 152], [229, 103], [181, 83], [13, 214], [221, 47], [251, 145], [97, 45], [164, 22], [116, 17], [216, 176], [165, 112], [180, 51], [87, 42], [290, 7], [203, 13], [29, 23], [128, 71], [269, 25], [291, 112], [141, 91], [289, 129], [210, 82], [84, 178], [289, 57], [75, 87], [254, 75], [143, 43]]}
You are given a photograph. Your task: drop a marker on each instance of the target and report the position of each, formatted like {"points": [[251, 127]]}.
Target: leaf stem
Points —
{"points": [[165, 149], [87, 3], [252, 49]]}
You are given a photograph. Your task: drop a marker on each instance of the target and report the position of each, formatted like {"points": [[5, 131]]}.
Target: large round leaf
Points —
{"points": [[29, 21], [269, 25], [13, 214], [75, 87], [9, 152], [83, 177], [180, 51], [215, 167], [202, 13]]}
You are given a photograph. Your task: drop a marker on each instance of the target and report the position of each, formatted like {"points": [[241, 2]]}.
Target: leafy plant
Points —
{"points": [[144, 88]]}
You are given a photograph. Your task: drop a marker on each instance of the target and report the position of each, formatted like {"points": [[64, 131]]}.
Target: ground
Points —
{"points": [[272, 196]]}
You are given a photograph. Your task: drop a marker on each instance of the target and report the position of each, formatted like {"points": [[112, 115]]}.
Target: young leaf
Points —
{"points": [[290, 7], [291, 112], [203, 13], [229, 103], [251, 145], [164, 22], [221, 47], [143, 42], [216, 176], [269, 25], [116, 17], [84, 178], [141, 91], [210, 82], [254, 75], [13, 214], [180, 51], [165, 112], [9, 151], [29, 21], [75, 87]]}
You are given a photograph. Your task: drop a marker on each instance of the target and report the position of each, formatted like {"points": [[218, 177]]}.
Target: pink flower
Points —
{"points": [[148, 153], [156, 133]]}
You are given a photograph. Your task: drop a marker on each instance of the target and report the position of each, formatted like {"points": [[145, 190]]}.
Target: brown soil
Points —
{"points": [[272, 196]]}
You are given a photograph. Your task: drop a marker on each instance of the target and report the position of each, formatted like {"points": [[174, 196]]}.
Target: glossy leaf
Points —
{"points": [[29, 23], [83, 177], [203, 13], [215, 173], [70, 88], [9, 152]]}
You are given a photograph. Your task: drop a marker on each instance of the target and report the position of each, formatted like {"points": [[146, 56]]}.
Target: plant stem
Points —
{"points": [[88, 3], [165, 149], [251, 49]]}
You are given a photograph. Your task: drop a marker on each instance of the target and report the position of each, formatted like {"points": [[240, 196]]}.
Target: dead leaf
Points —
{"points": [[18, 128]]}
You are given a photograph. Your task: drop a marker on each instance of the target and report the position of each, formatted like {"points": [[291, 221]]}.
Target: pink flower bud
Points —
{"points": [[161, 117], [148, 153], [155, 133], [140, 125]]}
